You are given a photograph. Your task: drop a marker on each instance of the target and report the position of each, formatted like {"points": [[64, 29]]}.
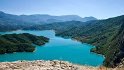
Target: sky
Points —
{"points": [[100, 9]]}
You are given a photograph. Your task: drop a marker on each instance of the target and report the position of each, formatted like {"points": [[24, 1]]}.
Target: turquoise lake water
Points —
{"points": [[57, 48]]}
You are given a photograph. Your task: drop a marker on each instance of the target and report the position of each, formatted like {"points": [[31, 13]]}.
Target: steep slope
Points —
{"points": [[116, 50], [104, 34], [96, 30]]}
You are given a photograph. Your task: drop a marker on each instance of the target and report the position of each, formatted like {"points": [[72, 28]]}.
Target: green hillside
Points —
{"points": [[106, 35], [101, 33], [10, 43]]}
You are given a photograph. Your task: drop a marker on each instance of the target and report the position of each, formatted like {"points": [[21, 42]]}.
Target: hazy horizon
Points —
{"points": [[100, 9]]}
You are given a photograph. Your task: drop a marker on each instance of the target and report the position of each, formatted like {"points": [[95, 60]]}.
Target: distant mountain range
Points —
{"points": [[50, 19], [43, 18]]}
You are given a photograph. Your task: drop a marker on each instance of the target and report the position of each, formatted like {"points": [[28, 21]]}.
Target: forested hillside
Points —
{"points": [[115, 54], [101, 33], [106, 35], [10, 43]]}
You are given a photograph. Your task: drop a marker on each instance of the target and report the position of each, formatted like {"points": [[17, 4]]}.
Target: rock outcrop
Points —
{"points": [[42, 65], [48, 65]]}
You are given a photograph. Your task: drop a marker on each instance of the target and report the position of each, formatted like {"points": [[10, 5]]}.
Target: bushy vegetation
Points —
{"points": [[116, 49], [10, 43]]}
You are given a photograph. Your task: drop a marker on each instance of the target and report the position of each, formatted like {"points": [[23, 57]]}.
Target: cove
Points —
{"points": [[57, 48]]}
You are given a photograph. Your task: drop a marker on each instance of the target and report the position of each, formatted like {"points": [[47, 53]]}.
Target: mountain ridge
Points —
{"points": [[104, 34], [45, 18]]}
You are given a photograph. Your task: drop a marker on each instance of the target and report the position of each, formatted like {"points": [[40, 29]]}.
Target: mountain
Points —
{"points": [[24, 21], [10, 22], [50, 19], [107, 35], [116, 50], [44, 18]]}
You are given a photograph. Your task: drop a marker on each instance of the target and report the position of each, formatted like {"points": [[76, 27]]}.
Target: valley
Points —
{"points": [[105, 34]]}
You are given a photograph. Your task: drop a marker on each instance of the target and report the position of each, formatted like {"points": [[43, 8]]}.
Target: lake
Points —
{"points": [[57, 48]]}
